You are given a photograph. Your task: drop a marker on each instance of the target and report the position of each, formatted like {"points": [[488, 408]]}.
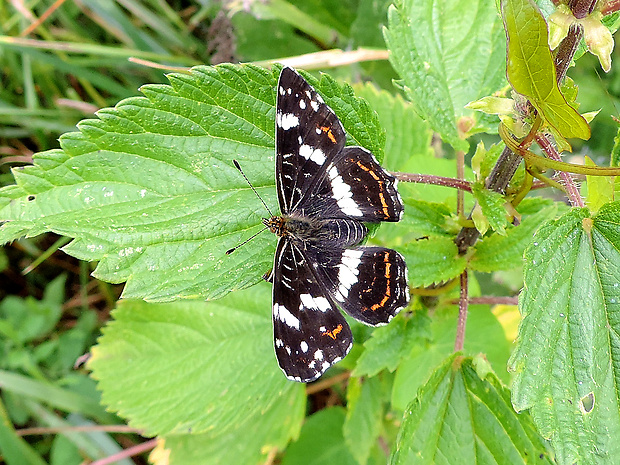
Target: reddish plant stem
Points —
{"points": [[610, 7], [488, 300], [581, 8], [460, 174], [435, 180], [571, 188], [135, 450], [459, 342], [566, 50]]}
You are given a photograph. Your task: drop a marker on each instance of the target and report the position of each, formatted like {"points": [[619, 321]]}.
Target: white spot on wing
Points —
{"points": [[302, 104], [342, 194], [315, 105], [316, 303], [315, 155], [348, 271], [318, 355], [286, 317], [288, 121], [303, 345]]}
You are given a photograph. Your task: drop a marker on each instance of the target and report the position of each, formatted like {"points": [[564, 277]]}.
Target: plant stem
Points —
{"points": [[463, 304], [571, 188], [435, 180]]}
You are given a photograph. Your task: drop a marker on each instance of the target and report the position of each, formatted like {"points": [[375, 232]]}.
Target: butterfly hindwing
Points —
{"points": [[369, 283], [308, 134], [310, 333]]}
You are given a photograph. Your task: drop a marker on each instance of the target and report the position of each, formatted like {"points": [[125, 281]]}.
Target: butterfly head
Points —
{"points": [[276, 224]]}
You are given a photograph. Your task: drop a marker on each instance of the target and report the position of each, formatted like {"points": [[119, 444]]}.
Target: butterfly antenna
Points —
{"points": [[250, 184], [229, 251]]}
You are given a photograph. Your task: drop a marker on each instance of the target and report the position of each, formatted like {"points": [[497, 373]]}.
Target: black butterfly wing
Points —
{"points": [[310, 333], [308, 135], [354, 186], [369, 283]]}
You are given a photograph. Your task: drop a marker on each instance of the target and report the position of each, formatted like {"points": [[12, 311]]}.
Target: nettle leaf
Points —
{"points": [[432, 260], [271, 429], [485, 334], [490, 210], [407, 134], [149, 190], [498, 252], [198, 368], [531, 71], [432, 45], [389, 344], [321, 441], [567, 358], [364, 419], [463, 415]]}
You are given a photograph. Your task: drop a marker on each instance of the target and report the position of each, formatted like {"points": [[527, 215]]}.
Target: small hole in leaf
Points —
{"points": [[587, 402], [31, 198]]}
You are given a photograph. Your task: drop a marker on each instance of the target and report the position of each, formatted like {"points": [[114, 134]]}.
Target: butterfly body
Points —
{"points": [[326, 192]]}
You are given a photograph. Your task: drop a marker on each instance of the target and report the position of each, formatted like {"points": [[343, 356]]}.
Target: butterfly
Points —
{"points": [[326, 192]]}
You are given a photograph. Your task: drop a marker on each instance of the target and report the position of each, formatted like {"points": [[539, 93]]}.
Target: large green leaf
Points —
{"points": [[364, 420], [217, 356], [498, 252], [149, 190], [447, 53], [389, 344], [407, 134], [433, 260], [531, 70], [567, 361], [462, 415], [321, 441], [200, 374], [484, 335]]}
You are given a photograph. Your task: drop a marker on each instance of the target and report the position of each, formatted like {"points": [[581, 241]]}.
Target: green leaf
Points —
{"points": [[600, 189], [531, 71], [14, 449], [567, 356], [491, 208], [262, 39], [463, 415], [484, 335], [64, 399], [221, 375], [432, 260], [408, 135], [321, 441], [432, 45], [421, 220], [270, 430], [24, 320], [389, 344], [363, 423], [149, 190], [498, 252]]}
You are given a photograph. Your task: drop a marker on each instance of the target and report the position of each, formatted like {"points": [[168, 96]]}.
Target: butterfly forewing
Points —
{"points": [[354, 186], [310, 333], [308, 134]]}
